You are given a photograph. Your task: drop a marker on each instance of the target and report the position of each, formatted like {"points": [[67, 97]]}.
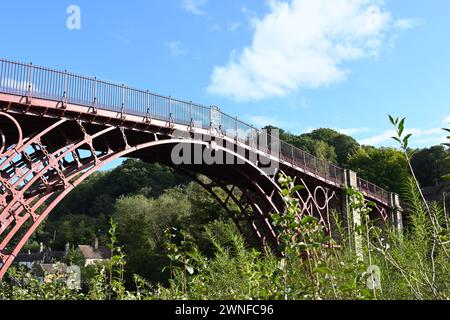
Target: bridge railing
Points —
{"points": [[38, 82], [373, 190]]}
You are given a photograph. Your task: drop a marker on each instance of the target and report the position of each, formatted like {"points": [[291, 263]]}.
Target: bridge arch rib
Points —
{"points": [[39, 172]]}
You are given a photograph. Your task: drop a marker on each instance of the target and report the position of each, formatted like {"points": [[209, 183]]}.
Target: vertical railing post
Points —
{"points": [[94, 105], [122, 110], [211, 117], [170, 108], [30, 79], [191, 121], [65, 90], [236, 128], [1, 72], [170, 111], [148, 116], [293, 159], [220, 117], [315, 165]]}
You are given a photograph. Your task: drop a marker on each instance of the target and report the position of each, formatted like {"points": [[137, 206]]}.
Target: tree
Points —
{"points": [[385, 167], [305, 142], [430, 165], [344, 146], [324, 134], [98, 193], [324, 143], [323, 150], [141, 223]]}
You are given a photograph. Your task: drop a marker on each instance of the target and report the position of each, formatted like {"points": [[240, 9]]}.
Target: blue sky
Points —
{"points": [[299, 64]]}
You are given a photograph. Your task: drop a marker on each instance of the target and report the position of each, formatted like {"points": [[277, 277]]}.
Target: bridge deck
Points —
{"points": [[63, 92]]}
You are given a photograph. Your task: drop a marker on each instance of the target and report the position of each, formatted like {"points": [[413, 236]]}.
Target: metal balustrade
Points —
{"points": [[37, 82], [373, 190]]}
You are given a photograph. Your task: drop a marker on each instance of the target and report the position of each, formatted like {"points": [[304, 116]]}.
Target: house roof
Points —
{"points": [[89, 252], [45, 256]]}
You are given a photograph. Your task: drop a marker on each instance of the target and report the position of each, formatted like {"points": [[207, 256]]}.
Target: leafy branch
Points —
{"points": [[399, 126]]}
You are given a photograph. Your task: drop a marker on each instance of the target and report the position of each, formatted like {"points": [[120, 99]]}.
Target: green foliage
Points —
{"points": [[316, 147], [22, 285], [308, 269], [75, 257], [142, 221], [131, 177], [84, 213], [323, 143], [431, 164], [385, 167], [108, 283], [345, 146], [74, 229], [447, 176]]}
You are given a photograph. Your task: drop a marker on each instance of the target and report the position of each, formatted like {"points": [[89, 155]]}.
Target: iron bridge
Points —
{"points": [[57, 128]]}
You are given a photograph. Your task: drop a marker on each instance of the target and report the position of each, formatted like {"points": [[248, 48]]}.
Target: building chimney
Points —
{"points": [[96, 243]]}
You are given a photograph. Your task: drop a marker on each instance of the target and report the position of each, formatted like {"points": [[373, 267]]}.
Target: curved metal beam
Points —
{"points": [[18, 204]]}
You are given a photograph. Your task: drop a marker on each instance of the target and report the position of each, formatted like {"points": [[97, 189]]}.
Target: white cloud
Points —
{"points": [[299, 103], [124, 40], [406, 24], [446, 120], [194, 6], [248, 12], [176, 49], [429, 136], [351, 131], [376, 140], [302, 44], [262, 121], [233, 26], [215, 27], [431, 141], [20, 86], [250, 15], [432, 131]]}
